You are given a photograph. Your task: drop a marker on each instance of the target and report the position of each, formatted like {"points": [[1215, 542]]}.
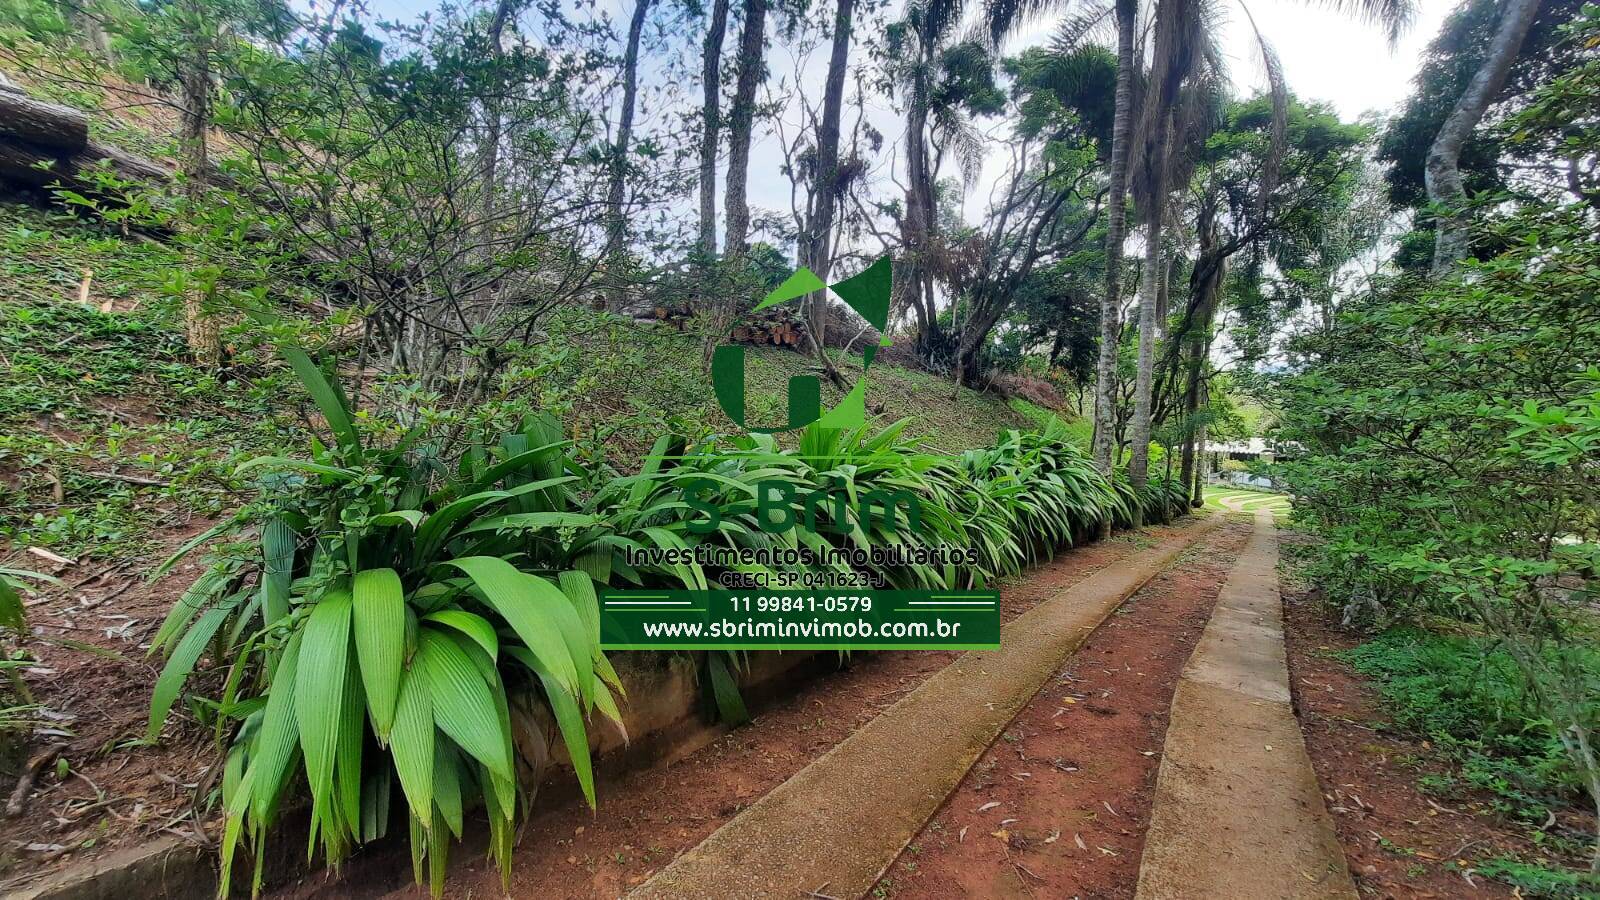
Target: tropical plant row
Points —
{"points": [[388, 617]]}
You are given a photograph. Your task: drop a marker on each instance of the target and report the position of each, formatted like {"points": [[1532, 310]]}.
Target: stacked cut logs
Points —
{"points": [[46, 143], [778, 330], [775, 327]]}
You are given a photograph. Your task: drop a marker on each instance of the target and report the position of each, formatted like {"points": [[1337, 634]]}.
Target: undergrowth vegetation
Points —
{"points": [[391, 604], [1449, 431]]}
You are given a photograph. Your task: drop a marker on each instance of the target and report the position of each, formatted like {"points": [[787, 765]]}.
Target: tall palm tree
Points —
{"points": [[1127, 15], [1183, 29], [927, 46], [1182, 50]]}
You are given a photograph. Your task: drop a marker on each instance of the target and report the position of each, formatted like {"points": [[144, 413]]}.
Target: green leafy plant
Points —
{"points": [[389, 606], [378, 614]]}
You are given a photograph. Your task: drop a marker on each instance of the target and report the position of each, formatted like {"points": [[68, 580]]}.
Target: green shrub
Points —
{"points": [[387, 603], [1466, 695], [371, 612]]}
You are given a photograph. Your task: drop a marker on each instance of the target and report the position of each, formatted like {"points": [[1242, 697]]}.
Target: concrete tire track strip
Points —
{"points": [[1237, 810], [837, 824]]}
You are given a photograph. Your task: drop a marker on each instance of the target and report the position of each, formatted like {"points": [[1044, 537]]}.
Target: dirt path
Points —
{"points": [[1058, 806], [1237, 802], [839, 823]]}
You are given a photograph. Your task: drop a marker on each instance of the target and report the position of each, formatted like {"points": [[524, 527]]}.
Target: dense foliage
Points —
{"points": [[1449, 447], [388, 607]]}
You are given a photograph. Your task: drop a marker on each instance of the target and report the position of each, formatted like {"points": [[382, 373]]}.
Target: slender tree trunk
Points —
{"points": [[985, 314], [95, 39], [917, 224], [489, 163], [1105, 388], [1139, 429], [201, 329], [741, 122], [1205, 289], [816, 252], [1443, 171], [615, 224], [711, 125]]}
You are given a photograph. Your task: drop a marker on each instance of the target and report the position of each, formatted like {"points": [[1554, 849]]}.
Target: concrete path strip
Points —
{"points": [[1237, 808], [838, 823]]}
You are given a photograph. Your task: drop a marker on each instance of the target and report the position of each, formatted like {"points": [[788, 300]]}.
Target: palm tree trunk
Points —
{"points": [[816, 249], [615, 226], [1443, 172], [741, 121], [710, 125], [1149, 289], [1116, 232]]}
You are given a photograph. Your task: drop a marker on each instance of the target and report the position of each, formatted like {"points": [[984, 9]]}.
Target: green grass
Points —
{"points": [[1080, 429], [619, 384], [87, 395], [1248, 500]]}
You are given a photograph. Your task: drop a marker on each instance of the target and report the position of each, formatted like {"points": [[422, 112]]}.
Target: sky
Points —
{"points": [[1327, 55]]}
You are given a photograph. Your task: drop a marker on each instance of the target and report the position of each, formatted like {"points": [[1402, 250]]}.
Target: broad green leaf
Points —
{"points": [[725, 690], [412, 517], [579, 588], [11, 610], [287, 462], [199, 594], [182, 663], [277, 552], [509, 592], [472, 625], [447, 785], [569, 718], [328, 399], [411, 744], [277, 742], [462, 704], [378, 617], [435, 530], [347, 774], [607, 705], [189, 546], [319, 693], [580, 646], [532, 520]]}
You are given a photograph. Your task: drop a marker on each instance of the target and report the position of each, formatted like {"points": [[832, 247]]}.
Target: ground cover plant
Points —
{"points": [[390, 603]]}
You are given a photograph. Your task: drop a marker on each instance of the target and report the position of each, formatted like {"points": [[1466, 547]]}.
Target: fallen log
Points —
{"points": [[43, 143], [51, 125], [33, 166]]}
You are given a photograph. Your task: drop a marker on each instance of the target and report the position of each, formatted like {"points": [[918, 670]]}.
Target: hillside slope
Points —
{"points": [[109, 438]]}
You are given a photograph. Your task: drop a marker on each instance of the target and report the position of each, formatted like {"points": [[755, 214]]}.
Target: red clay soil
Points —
{"points": [[647, 818], [118, 791], [1399, 842], [1059, 805]]}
